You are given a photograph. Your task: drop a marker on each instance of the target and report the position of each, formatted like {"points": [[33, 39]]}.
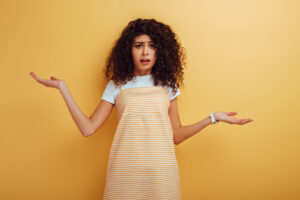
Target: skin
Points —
{"points": [[141, 48]]}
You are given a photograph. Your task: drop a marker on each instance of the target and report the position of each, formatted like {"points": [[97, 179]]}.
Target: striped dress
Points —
{"points": [[142, 162]]}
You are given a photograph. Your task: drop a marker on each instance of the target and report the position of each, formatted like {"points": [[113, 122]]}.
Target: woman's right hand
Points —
{"points": [[53, 82]]}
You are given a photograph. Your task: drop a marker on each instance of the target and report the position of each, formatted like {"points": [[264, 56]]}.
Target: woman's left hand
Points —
{"points": [[225, 117]]}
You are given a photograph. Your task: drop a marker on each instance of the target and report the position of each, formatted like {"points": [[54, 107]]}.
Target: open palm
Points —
{"points": [[53, 82], [226, 117]]}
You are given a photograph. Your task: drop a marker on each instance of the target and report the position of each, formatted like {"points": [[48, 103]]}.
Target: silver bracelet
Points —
{"points": [[212, 118]]}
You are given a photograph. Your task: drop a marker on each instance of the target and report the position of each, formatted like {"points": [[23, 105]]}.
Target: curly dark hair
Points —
{"points": [[168, 69]]}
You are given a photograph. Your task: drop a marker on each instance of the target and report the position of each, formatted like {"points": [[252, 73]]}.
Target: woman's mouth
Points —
{"points": [[145, 61]]}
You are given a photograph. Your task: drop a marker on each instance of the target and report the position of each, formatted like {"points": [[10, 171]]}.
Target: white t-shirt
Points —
{"points": [[111, 91]]}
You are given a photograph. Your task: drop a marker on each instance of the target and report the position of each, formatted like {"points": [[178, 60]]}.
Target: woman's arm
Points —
{"points": [[87, 126], [181, 133]]}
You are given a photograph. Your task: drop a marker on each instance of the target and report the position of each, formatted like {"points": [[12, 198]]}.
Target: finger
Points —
{"points": [[241, 121], [40, 80], [231, 113], [32, 74], [234, 121], [43, 81], [35, 76], [244, 121]]}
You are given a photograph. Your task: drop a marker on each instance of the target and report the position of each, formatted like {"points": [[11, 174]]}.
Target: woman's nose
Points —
{"points": [[145, 50]]}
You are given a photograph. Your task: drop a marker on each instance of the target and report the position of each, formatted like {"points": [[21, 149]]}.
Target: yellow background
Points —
{"points": [[242, 55]]}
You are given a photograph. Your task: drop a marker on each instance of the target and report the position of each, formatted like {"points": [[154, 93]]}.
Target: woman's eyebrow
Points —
{"points": [[144, 42]]}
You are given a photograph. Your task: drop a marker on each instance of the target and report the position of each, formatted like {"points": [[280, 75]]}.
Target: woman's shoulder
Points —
{"points": [[170, 92], [110, 92], [111, 84]]}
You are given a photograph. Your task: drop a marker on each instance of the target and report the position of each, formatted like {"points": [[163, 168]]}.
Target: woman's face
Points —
{"points": [[143, 55]]}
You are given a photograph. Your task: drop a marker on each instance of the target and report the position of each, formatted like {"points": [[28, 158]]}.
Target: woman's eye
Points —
{"points": [[138, 46]]}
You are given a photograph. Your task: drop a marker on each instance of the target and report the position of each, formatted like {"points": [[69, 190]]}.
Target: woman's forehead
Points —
{"points": [[143, 38]]}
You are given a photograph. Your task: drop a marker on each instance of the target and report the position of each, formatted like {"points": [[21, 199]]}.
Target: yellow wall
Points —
{"points": [[241, 56]]}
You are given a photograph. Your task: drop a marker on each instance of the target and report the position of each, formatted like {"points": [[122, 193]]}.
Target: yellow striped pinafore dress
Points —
{"points": [[142, 163]]}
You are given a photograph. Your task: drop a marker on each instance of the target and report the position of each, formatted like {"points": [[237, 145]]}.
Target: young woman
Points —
{"points": [[145, 70]]}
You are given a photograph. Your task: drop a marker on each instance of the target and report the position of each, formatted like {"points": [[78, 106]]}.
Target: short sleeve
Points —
{"points": [[110, 92], [171, 94]]}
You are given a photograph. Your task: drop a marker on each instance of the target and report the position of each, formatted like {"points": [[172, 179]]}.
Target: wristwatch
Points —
{"points": [[212, 118]]}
